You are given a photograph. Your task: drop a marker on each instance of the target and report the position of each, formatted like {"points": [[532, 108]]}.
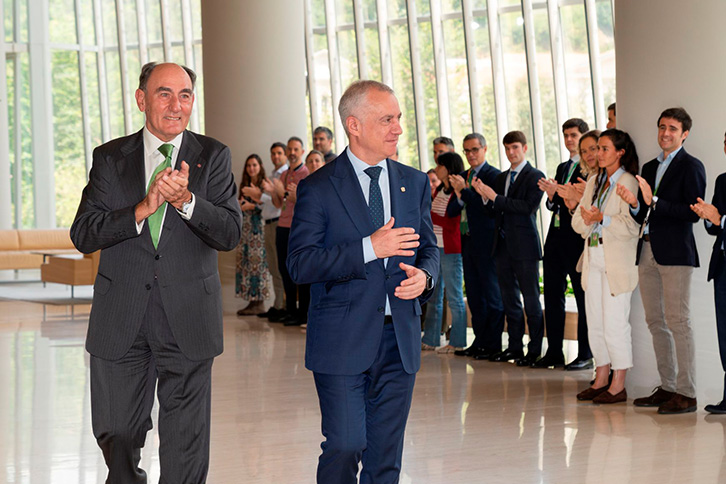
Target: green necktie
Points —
{"points": [[155, 218]]}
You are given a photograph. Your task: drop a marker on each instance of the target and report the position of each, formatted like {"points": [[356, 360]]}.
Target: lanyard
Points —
{"points": [[604, 193], [572, 170]]}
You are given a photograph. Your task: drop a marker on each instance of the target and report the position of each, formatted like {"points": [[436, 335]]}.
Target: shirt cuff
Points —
{"points": [[460, 201], [605, 220], [190, 210], [635, 210], [723, 222], [369, 255]]}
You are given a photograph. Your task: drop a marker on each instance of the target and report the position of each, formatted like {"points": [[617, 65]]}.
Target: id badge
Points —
{"points": [[594, 240], [557, 220]]}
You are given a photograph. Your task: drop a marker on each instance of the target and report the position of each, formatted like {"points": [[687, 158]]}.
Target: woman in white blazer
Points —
{"points": [[609, 273]]}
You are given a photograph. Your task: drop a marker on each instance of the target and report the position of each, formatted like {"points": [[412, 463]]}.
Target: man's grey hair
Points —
{"points": [[476, 136], [149, 68], [353, 98]]}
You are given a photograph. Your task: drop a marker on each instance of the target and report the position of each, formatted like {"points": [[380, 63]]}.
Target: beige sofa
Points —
{"points": [[23, 249]]}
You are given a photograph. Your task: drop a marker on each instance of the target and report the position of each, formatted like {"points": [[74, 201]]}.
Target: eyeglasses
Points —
{"points": [[472, 151]]}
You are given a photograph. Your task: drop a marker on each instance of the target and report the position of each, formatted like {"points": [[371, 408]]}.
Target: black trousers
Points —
{"points": [[719, 289], [519, 278], [122, 394], [482, 294], [293, 292], [559, 262]]}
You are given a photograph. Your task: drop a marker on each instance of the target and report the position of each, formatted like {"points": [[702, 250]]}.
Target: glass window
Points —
{"points": [[70, 166], [199, 89], [344, 12], [115, 102], [606, 38], [174, 17], [577, 62], [322, 80], [550, 127], [9, 13], [486, 90], [62, 22], [347, 57], [196, 19], [428, 81], [154, 35], [401, 57], [373, 54], [88, 25], [26, 140], [519, 115], [110, 28], [10, 86], [92, 98]]}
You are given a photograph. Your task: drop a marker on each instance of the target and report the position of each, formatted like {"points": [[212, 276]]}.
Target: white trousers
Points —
{"points": [[608, 327]]}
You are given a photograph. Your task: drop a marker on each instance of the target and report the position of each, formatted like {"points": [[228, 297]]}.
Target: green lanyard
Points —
{"points": [[572, 170], [602, 195]]}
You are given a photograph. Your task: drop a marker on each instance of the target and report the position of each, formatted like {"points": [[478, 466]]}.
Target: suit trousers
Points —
{"points": [[608, 317], [560, 262], [272, 263], [122, 394], [666, 295], [293, 292], [364, 418], [482, 294], [520, 278], [719, 290]]}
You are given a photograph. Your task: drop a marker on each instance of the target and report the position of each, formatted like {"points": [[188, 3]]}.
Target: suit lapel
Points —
{"points": [[348, 188], [398, 192], [672, 170], [519, 179], [132, 177]]}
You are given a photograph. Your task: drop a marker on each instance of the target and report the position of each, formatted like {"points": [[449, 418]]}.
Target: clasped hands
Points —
{"points": [[168, 186], [389, 242], [630, 198], [706, 211], [484, 190]]}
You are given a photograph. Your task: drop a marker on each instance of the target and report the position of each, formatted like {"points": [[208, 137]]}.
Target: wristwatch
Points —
{"points": [[187, 205], [429, 280]]}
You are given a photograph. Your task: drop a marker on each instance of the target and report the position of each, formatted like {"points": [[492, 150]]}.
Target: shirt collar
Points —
{"points": [[152, 143], [575, 159], [519, 168], [359, 166], [616, 176], [668, 158]]}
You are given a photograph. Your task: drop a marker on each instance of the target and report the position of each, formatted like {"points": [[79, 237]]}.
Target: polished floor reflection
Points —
{"points": [[471, 422]]}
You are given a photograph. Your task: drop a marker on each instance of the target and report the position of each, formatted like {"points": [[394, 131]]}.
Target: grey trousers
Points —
{"points": [[271, 252], [666, 295]]}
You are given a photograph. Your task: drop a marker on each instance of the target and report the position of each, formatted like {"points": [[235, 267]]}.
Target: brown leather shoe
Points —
{"points": [[658, 398], [591, 393], [678, 404], [607, 397]]}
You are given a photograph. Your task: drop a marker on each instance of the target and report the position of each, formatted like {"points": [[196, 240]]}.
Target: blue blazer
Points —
{"points": [[717, 255], [481, 222], [671, 222], [347, 296]]}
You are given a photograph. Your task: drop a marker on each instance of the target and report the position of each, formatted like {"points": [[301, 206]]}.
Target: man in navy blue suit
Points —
{"points": [[667, 254], [477, 238], [362, 236]]}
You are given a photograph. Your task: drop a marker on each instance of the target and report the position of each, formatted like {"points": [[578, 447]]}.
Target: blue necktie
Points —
{"points": [[512, 174], [375, 199]]}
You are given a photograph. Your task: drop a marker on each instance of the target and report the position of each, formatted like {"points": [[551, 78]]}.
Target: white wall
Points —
{"points": [[671, 53], [254, 85]]}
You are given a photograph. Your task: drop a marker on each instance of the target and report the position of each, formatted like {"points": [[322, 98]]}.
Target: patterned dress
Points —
{"points": [[252, 281]]}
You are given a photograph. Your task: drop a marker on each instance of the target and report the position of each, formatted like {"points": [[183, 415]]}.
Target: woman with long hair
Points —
{"points": [[451, 275], [252, 272], [572, 192], [609, 273]]}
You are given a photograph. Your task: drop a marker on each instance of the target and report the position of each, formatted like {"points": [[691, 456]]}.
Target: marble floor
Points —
{"points": [[471, 422]]}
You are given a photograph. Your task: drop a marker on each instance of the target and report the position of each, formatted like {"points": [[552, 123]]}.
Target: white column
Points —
{"points": [[42, 114], [690, 74], [6, 216], [254, 89]]}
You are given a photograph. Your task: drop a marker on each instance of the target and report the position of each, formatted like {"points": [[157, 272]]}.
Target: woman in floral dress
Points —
{"points": [[252, 282]]}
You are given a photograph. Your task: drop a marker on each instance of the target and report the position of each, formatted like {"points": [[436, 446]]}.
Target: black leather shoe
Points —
{"points": [[507, 355], [292, 321], [272, 312], [580, 364], [470, 351], [719, 408], [279, 317], [528, 360], [549, 362], [483, 354]]}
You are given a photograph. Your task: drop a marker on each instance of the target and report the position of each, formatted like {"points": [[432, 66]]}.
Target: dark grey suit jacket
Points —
{"points": [[185, 262]]}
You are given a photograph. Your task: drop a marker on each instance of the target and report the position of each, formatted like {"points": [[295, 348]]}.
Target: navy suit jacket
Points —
{"points": [[185, 262], [670, 224], [347, 296], [516, 213], [481, 222], [717, 255]]}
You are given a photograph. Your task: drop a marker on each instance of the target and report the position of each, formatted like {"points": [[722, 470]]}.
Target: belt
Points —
{"points": [[646, 237], [271, 220], [388, 320]]}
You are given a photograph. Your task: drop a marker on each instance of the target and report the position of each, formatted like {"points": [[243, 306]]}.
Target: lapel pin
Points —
{"points": [[403, 189], [199, 165]]}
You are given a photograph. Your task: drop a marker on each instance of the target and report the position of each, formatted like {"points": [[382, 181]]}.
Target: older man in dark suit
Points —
{"points": [[159, 204], [362, 236], [666, 257]]}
